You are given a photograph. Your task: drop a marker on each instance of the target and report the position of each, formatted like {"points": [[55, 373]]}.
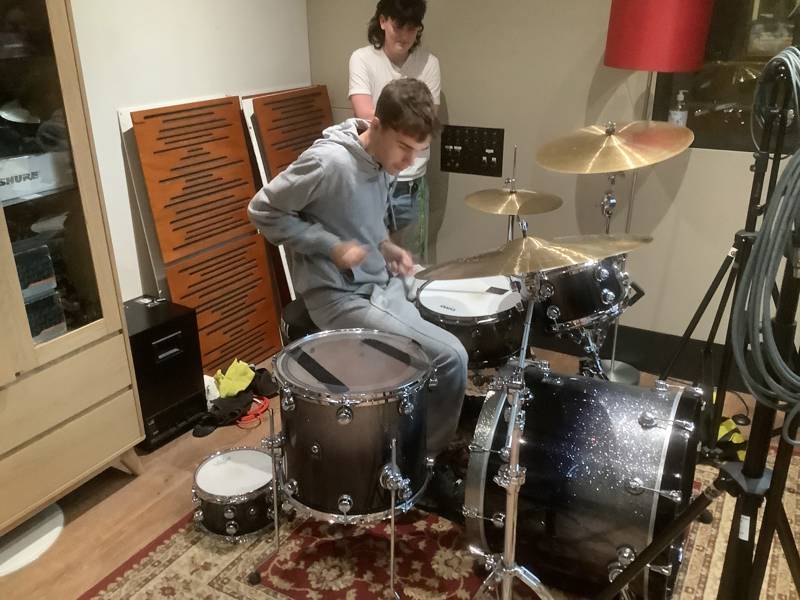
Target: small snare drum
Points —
{"points": [[234, 491]]}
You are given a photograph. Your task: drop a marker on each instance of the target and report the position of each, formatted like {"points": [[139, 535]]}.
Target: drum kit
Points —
{"points": [[569, 476]]}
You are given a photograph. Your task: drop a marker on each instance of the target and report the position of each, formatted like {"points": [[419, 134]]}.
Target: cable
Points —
{"points": [[767, 375]]}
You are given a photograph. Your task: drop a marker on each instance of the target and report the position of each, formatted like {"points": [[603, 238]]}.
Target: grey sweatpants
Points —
{"points": [[387, 309]]}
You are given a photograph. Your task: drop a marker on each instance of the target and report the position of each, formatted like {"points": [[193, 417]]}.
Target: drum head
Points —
{"points": [[234, 472], [352, 361], [479, 297]]}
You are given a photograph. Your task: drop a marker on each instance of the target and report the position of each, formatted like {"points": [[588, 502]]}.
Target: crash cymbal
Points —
{"points": [[614, 147], [532, 255], [519, 202]]}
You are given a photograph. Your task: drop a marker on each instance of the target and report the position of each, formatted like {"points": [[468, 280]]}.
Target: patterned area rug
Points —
{"points": [[317, 561]]}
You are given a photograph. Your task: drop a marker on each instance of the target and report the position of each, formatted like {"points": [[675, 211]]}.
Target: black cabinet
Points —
{"points": [[169, 372]]}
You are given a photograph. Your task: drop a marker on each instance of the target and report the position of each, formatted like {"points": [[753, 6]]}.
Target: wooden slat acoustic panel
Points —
{"points": [[198, 173], [231, 288], [289, 122]]}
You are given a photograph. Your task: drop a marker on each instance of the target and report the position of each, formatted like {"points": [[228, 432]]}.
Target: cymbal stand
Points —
{"points": [[511, 476], [511, 182]]}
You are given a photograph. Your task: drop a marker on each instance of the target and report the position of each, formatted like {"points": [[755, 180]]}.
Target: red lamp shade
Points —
{"points": [[658, 35]]}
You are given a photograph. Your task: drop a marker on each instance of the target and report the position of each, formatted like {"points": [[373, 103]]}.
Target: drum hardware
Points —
{"points": [[287, 401], [511, 476], [393, 480], [498, 519], [648, 421], [344, 415], [636, 486]]}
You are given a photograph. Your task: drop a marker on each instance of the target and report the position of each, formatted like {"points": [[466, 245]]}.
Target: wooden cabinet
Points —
{"points": [[68, 406]]}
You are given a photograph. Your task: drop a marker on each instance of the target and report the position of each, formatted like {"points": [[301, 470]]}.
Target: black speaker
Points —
{"points": [[169, 372]]}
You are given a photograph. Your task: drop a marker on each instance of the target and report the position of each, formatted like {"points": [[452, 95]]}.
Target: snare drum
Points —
{"points": [[583, 295], [234, 491], [346, 395], [486, 314]]}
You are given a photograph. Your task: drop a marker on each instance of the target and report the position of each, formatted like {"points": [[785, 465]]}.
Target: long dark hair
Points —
{"points": [[404, 12]]}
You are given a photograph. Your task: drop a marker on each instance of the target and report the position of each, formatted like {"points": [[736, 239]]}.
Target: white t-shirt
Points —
{"points": [[371, 70]]}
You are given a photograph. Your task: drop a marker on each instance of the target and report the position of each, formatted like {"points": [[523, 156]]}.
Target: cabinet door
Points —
{"points": [[56, 244]]}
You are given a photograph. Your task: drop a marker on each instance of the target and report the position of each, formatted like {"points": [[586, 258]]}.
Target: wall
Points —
{"points": [[155, 52], [534, 68]]}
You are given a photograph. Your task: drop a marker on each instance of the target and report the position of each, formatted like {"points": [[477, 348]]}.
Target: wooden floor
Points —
{"points": [[114, 515]]}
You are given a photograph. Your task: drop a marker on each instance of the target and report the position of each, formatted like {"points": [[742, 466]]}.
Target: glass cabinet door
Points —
{"points": [[47, 186]]}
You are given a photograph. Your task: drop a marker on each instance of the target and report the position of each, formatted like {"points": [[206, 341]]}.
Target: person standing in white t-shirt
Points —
{"points": [[394, 33]]}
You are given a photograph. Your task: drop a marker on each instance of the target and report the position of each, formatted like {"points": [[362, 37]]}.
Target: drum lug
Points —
{"points": [[553, 312], [406, 406], [231, 527], [614, 570], [546, 290], [626, 555], [195, 498], [648, 420], [601, 273], [392, 479], [229, 512], [608, 297], [665, 570], [287, 400], [315, 450], [274, 442], [635, 486], [291, 487], [434, 379], [198, 515], [344, 415], [345, 504]]}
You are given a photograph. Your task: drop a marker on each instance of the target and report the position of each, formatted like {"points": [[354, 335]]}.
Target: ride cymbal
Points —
{"points": [[519, 202], [532, 255], [615, 147]]}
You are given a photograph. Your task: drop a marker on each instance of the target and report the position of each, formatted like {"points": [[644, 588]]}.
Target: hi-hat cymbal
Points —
{"points": [[532, 255], [615, 147], [519, 202]]}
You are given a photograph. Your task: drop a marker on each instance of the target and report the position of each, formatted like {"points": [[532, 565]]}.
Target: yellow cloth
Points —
{"points": [[236, 378]]}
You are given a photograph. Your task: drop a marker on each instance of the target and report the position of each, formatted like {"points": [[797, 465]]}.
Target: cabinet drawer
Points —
{"points": [[42, 471], [37, 402]]}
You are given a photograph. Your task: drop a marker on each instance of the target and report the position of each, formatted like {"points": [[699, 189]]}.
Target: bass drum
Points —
{"points": [[608, 466]]}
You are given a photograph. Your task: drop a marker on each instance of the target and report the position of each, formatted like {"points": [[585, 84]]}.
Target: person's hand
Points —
{"points": [[346, 255], [397, 259]]}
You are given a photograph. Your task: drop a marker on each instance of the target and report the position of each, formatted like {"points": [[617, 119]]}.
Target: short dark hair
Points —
{"points": [[406, 105], [404, 12]]}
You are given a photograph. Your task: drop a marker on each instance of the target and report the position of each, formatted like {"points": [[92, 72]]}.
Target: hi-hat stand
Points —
{"points": [[775, 124], [750, 482]]}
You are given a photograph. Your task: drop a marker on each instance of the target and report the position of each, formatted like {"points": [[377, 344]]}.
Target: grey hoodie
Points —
{"points": [[334, 192]]}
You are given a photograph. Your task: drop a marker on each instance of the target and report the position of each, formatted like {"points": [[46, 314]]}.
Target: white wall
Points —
{"points": [[144, 52], [535, 68]]}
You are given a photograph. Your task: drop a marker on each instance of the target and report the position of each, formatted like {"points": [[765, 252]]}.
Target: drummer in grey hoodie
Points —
{"points": [[327, 208]]}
